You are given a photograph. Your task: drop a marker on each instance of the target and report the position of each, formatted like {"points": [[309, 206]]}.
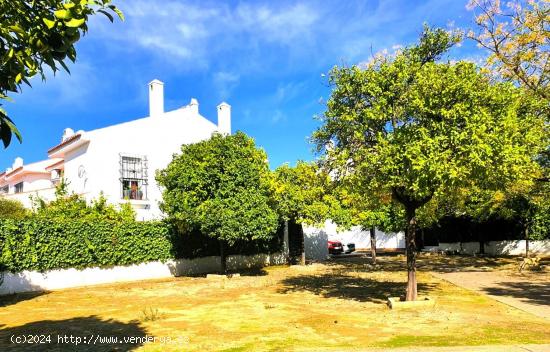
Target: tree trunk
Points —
{"points": [[223, 261], [286, 243], [411, 254], [373, 244], [303, 256], [481, 247], [526, 241]]}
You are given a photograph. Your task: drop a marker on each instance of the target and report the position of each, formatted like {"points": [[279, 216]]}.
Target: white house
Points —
{"points": [[119, 160]]}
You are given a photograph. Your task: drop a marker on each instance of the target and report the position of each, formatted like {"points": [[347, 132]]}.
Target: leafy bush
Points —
{"points": [[42, 244], [74, 206], [12, 209]]}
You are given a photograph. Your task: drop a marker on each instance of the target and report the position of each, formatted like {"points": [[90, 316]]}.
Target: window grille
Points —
{"points": [[19, 187], [5, 189], [133, 177]]}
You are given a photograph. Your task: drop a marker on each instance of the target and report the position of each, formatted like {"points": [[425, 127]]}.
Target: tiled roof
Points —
{"points": [[67, 141], [14, 171]]}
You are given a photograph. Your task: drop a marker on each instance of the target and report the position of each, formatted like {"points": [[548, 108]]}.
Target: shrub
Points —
{"points": [[74, 206], [12, 209]]}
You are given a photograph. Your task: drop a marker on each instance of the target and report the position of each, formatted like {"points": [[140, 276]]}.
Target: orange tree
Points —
{"points": [[414, 128]]}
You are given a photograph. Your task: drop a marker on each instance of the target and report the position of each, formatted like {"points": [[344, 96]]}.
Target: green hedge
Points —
{"points": [[45, 244]]}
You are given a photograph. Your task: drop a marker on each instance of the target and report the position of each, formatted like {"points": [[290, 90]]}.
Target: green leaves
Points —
{"points": [[62, 14], [8, 129], [222, 187], [49, 23], [75, 23], [46, 243], [39, 36], [303, 193], [412, 128]]}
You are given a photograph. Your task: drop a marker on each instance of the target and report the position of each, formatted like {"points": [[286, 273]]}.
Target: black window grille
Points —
{"points": [[5, 189], [133, 177]]}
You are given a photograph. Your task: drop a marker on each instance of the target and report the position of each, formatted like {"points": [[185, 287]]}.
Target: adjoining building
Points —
{"points": [[119, 161]]}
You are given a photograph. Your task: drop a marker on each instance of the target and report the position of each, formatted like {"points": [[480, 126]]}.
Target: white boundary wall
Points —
{"points": [[27, 281], [316, 247], [514, 247], [355, 235]]}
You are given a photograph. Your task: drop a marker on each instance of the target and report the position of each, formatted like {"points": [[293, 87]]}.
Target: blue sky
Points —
{"points": [[265, 58]]}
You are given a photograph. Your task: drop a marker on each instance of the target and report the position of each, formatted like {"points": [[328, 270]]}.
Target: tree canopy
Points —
{"points": [[36, 35], [517, 37], [303, 193], [221, 187], [413, 127]]}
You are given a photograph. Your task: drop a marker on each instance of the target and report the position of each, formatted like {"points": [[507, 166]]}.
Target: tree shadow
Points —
{"points": [[528, 292], [348, 287], [14, 298], [250, 272], [462, 263], [89, 330], [394, 262]]}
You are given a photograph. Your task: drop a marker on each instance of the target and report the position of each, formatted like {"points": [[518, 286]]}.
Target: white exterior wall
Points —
{"points": [[35, 185], [98, 152], [361, 238], [28, 281], [514, 247], [157, 138], [316, 246]]}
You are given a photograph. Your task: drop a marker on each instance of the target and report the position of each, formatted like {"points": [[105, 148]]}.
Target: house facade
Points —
{"points": [[119, 161]]}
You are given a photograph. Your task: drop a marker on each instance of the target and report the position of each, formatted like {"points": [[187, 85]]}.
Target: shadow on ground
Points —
{"points": [[250, 272], [348, 287], [7, 300], [426, 262], [529, 292], [82, 327]]}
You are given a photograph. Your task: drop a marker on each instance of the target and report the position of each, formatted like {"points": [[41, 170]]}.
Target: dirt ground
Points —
{"points": [[339, 305]]}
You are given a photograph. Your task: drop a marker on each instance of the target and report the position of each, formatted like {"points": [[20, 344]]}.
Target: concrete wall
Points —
{"points": [[361, 238], [27, 281], [514, 247], [47, 194], [316, 246]]}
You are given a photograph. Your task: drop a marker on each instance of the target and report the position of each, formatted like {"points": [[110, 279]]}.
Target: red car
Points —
{"points": [[335, 247]]}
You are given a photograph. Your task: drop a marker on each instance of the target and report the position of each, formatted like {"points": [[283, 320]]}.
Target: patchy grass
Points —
{"points": [[339, 305]]}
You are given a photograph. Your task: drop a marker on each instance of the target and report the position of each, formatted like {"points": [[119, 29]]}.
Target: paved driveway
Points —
{"points": [[530, 293]]}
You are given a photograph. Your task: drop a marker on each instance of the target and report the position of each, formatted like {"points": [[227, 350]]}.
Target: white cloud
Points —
{"points": [[192, 35], [225, 82], [278, 116], [271, 38]]}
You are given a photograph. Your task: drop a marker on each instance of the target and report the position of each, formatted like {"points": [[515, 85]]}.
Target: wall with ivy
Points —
{"points": [[44, 244]]}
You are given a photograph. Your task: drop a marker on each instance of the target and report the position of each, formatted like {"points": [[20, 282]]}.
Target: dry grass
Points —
{"points": [[334, 306]]}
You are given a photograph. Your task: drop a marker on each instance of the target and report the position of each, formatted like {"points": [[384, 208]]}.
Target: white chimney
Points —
{"points": [[224, 118], [17, 163], [156, 98], [67, 133], [194, 105]]}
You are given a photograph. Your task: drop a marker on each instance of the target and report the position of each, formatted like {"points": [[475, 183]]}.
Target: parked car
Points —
{"points": [[349, 248], [335, 247]]}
